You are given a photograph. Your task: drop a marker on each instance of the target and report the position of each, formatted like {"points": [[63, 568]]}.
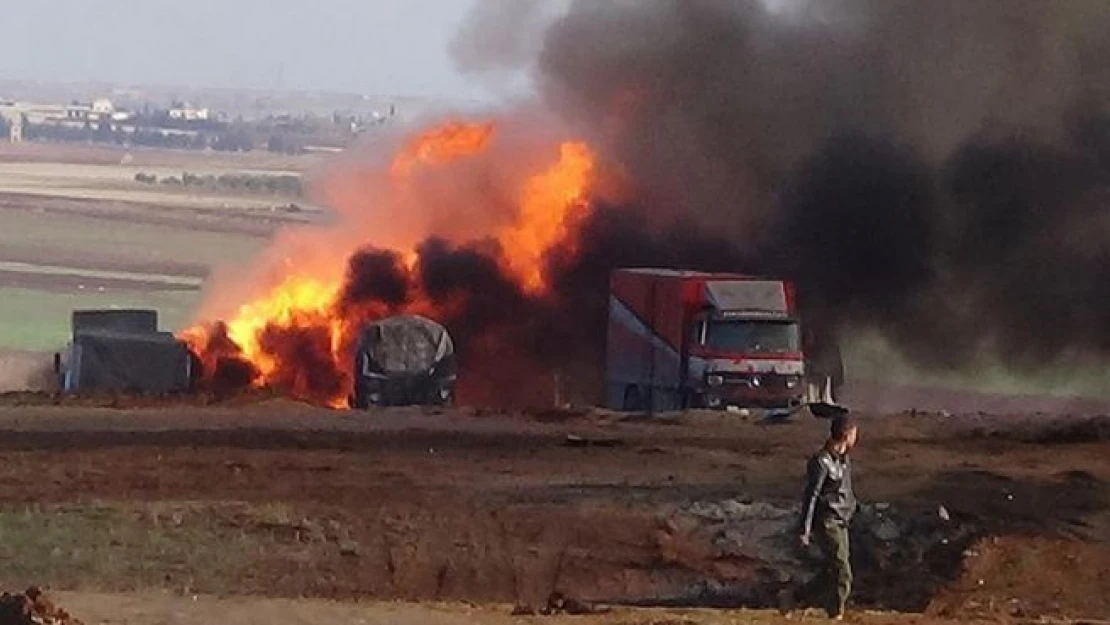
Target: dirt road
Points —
{"points": [[163, 609], [280, 500]]}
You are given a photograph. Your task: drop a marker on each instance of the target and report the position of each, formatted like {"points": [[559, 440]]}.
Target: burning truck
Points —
{"points": [[683, 339]]}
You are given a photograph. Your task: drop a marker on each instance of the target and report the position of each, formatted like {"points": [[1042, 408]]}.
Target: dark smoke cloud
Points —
{"points": [[510, 343], [935, 170], [313, 376], [375, 276], [1029, 246]]}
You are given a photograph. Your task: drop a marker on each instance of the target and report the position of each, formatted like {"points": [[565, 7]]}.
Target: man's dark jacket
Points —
{"points": [[828, 493]]}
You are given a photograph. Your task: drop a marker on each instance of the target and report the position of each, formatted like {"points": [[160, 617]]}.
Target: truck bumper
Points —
{"points": [[724, 397]]}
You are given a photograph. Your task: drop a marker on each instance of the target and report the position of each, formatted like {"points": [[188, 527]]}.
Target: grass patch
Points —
{"points": [[192, 547]]}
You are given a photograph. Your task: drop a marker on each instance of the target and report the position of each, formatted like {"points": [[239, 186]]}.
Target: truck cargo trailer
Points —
{"points": [[122, 351]]}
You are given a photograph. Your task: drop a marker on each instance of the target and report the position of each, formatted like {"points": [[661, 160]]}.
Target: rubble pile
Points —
{"points": [[750, 555], [902, 556], [32, 607]]}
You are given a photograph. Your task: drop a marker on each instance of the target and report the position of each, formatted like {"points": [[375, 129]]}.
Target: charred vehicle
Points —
{"points": [[406, 360]]}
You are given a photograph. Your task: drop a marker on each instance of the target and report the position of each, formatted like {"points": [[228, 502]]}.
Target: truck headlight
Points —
{"points": [[792, 382], [714, 380]]}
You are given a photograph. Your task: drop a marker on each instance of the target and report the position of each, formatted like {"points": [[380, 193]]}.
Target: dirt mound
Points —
{"points": [[32, 608], [1029, 577]]}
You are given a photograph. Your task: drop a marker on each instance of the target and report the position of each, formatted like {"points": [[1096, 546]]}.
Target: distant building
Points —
{"points": [[79, 112], [11, 114], [33, 113], [190, 113], [99, 110], [15, 124]]}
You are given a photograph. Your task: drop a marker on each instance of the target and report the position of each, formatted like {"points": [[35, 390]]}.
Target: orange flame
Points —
{"points": [[442, 144], [296, 301], [549, 206]]}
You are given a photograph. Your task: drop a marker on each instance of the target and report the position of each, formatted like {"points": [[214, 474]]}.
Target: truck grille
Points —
{"points": [[768, 381]]}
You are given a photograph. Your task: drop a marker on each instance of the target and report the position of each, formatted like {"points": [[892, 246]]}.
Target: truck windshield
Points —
{"points": [[753, 336]]}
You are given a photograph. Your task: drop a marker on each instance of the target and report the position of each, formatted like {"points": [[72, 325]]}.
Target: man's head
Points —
{"points": [[844, 432]]}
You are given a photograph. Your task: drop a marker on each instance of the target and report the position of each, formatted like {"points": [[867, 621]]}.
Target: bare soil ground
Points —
{"points": [[21, 370], [163, 608], [156, 502], [276, 499], [67, 280], [259, 221]]}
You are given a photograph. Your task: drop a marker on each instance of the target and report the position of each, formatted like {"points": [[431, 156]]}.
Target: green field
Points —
{"points": [[100, 243], [40, 320]]}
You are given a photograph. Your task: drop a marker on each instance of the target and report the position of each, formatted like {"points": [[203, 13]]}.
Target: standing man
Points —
{"points": [[829, 503]]}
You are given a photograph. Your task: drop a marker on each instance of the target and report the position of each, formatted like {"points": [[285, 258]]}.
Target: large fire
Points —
{"points": [[440, 145], [551, 204], [304, 312]]}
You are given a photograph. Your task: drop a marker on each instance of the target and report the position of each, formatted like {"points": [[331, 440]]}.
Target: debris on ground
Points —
{"points": [[560, 604], [574, 440], [750, 553], [32, 607]]}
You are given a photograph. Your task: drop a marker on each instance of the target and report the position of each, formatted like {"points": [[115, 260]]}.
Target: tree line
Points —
{"points": [[155, 128], [284, 184]]}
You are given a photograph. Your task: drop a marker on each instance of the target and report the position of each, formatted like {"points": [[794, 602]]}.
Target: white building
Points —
{"points": [[98, 110], [103, 107], [33, 113], [14, 120], [190, 113]]}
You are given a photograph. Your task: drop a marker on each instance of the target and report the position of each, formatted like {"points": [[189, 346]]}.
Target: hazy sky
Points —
{"points": [[396, 47]]}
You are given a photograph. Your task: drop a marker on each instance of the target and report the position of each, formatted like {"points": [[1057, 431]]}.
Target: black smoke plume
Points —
{"points": [[937, 170]]}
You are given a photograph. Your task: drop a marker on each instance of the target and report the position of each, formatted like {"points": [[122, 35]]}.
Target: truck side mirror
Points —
{"points": [[57, 363]]}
